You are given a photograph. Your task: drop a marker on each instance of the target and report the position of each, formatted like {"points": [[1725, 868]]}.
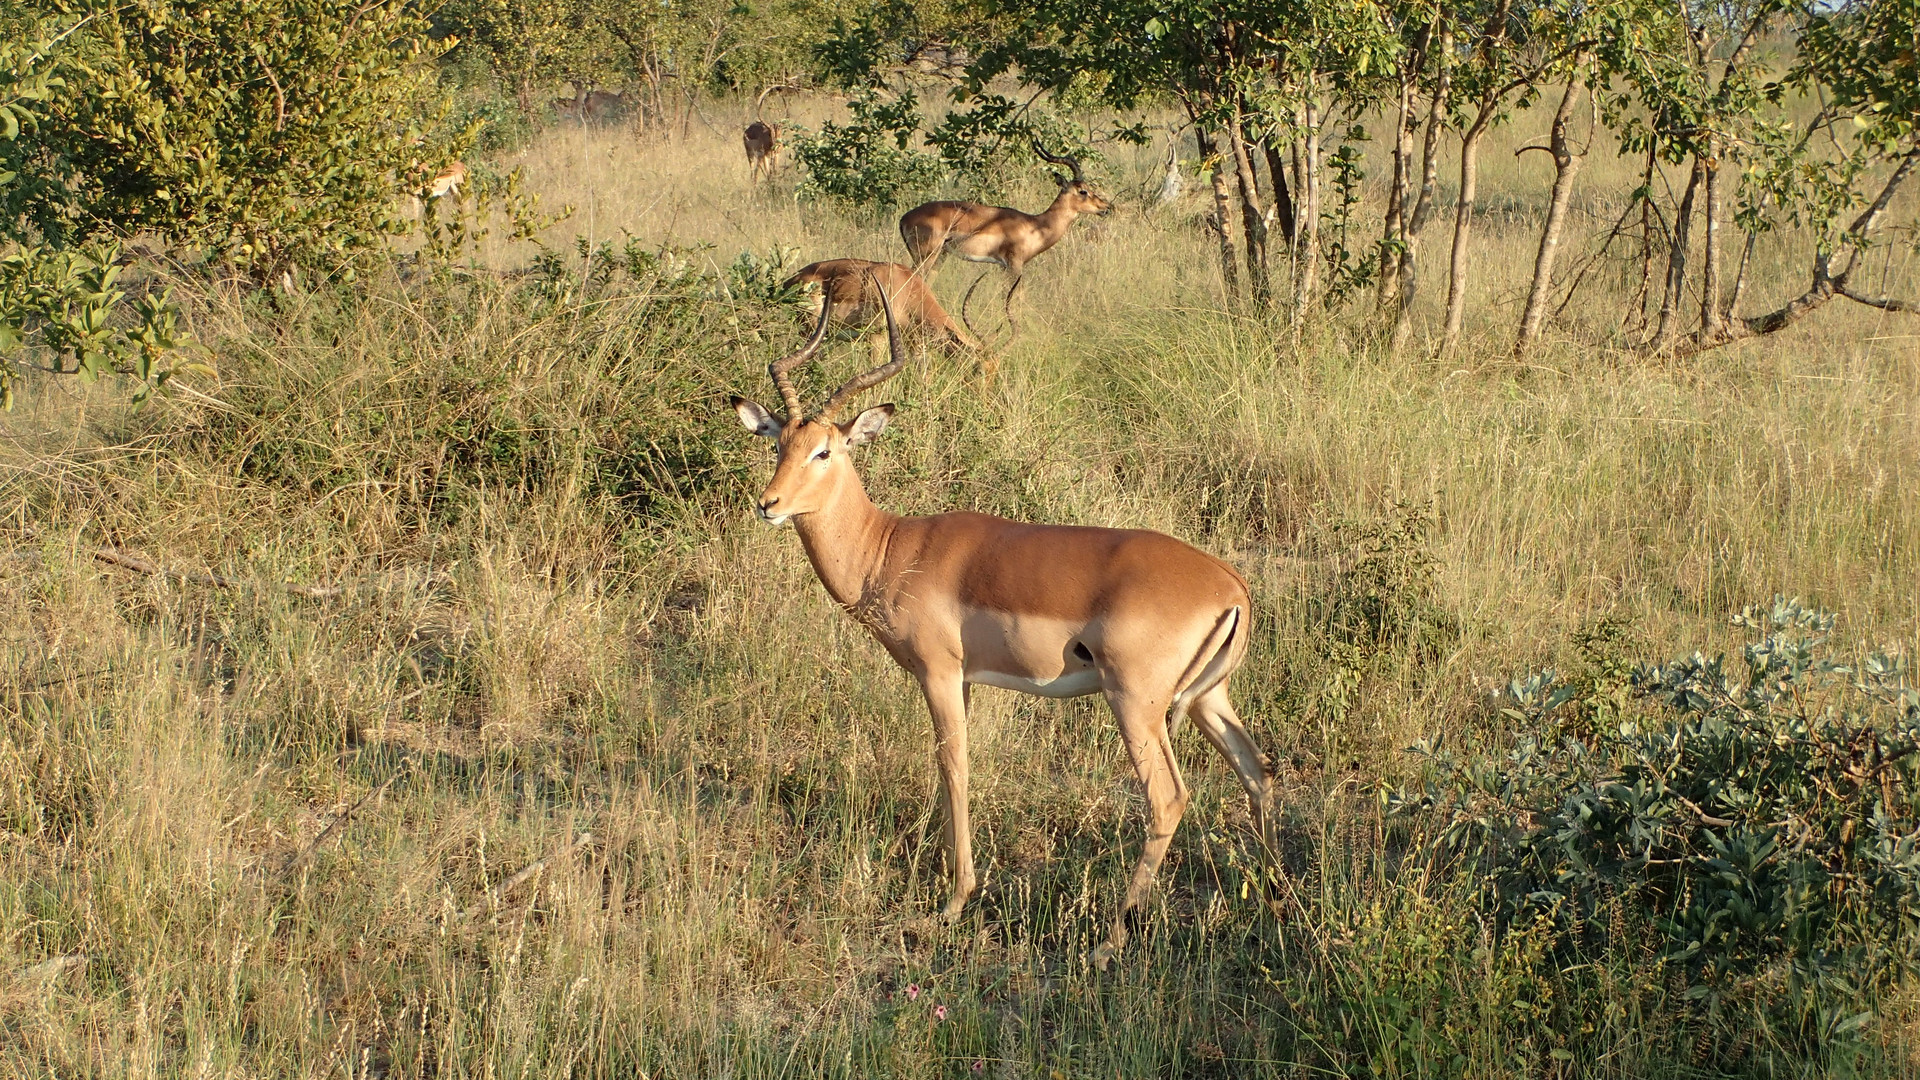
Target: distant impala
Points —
{"points": [[998, 234], [1059, 611]]}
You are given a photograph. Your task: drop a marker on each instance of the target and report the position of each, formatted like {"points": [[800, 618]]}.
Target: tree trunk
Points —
{"points": [[1712, 323], [1429, 181], [1677, 260], [1251, 213], [1639, 313], [1566, 164], [1463, 225], [1222, 220], [1307, 259], [1394, 231], [1826, 284], [1282, 197], [1393, 228]]}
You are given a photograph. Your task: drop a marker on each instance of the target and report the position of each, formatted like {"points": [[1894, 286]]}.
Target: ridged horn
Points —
{"points": [[779, 368], [1070, 162]]}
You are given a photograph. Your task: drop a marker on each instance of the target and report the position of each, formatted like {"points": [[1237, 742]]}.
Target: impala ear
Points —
{"points": [[868, 425], [756, 419]]}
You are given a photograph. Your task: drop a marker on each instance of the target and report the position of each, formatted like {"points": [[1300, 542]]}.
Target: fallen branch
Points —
{"points": [[50, 969], [141, 566], [499, 892]]}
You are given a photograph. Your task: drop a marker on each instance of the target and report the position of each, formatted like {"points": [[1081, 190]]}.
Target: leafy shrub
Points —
{"points": [[866, 164], [265, 133], [1380, 604], [988, 145], [1760, 815], [60, 304]]}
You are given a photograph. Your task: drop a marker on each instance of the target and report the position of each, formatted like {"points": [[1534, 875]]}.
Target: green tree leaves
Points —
{"points": [[265, 133]]}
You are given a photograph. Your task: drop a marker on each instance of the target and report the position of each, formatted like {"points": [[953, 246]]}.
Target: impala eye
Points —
{"points": [[822, 455]]}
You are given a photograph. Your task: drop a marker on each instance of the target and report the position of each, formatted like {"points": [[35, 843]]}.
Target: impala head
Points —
{"points": [[813, 461], [1075, 189]]}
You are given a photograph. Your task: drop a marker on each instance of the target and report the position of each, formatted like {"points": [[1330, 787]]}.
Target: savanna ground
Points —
{"points": [[245, 832]]}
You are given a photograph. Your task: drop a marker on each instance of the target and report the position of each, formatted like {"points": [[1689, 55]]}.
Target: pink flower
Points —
{"points": [[939, 1012], [913, 991]]}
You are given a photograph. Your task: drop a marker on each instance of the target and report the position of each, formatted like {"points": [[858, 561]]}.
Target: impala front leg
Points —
{"points": [[947, 703]]}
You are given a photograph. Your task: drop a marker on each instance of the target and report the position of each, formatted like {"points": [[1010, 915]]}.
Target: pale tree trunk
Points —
{"points": [[1222, 221], [1307, 257], [1463, 226], [1251, 213], [1429, 182], [1566, 164], [1677, 261], [1496, 30], [1393, 230], [1712, 323]]}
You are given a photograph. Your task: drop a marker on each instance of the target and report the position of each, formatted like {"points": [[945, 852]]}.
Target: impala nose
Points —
{"points": [[767, 505]]}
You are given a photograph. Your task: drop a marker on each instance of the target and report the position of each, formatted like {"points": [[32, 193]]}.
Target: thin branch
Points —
{"points": [[1884, 303], [495, 894], [141, 566], [335, 826]]}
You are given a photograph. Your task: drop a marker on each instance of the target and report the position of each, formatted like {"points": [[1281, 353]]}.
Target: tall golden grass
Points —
{"points": [[249, 833]]}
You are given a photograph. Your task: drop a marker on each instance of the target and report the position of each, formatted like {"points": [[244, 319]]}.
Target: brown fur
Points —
{"points": [[762, 141], [847, 286], [1154, 624]]}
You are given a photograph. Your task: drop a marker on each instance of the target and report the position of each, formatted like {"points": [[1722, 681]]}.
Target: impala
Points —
{"points": [[762, 138], [998, 234], [965, 599], [762, 141], [851, 287], [447, 181]]}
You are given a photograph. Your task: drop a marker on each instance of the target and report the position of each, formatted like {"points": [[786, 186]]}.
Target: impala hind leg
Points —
{"points": [[1143, 726], [1213, 714], [967, 299], [947, 704]]}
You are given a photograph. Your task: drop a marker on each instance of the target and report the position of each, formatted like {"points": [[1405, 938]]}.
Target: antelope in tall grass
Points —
{"points": [[762, 138], [762, 141], [852, 287], [999, 235], [965, 599]]}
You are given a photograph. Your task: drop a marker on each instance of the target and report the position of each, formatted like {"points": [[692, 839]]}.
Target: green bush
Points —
{"points": [[866, 164], [264, 133], [1759, 814], [56, 304]]}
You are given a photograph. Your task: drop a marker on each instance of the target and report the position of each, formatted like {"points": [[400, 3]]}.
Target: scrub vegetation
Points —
{"points": [[403, 687]]}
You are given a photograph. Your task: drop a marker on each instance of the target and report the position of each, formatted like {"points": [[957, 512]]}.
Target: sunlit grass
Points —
{"points": [[525, 653]]}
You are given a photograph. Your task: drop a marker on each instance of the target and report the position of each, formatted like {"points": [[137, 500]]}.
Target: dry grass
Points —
{"points": [[259, 821]]}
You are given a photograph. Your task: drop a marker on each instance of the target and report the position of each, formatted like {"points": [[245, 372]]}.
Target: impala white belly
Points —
{"points": [[1066, 685]]}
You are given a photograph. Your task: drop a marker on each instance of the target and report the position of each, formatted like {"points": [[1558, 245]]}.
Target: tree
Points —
{"points": [[263, 133]]}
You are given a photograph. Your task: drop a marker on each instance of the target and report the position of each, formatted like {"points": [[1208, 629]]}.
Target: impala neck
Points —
{"points": [[1053, 221], [845, 540]]}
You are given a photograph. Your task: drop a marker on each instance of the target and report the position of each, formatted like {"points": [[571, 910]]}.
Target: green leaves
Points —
{"points": [[61, 304], [1764, 814], [867, 163], [265, 133]]}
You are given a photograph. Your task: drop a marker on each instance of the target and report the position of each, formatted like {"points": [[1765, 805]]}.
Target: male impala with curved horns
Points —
{"points": [[1152, 624], [998, 234]]}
